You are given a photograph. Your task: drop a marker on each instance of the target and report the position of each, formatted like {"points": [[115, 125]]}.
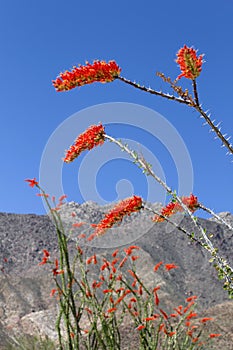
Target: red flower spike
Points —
{"points": [[156, 299], [123, 261], [80, 251], [32, 182], [99, 71], [134, 257], [123, 208], [205, 319], [114, 254], [169, 267], [190, 65], [179, 309], [53, 291], [133, 300], [46, 253], [89, 139], [133, 284], [119, 278], [171, 334], [164, 314], [140, 327], [152, 318], [174, 207], [78, 224], [105, 291], [140, 290], [161, 327], [156, 288], [188, 306], [156, 267], [214, 335], [132, 273], [191, 298], [113, 309], [191, 315], [45, 257], [55, 270]]}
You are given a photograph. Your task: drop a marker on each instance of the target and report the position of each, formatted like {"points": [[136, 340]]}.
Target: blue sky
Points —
{"points": [[40, 39]]}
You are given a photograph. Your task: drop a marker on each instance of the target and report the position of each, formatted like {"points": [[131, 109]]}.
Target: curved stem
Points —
{"points": [[154, 92], [217, 217], [223, 266], [215, 128]]}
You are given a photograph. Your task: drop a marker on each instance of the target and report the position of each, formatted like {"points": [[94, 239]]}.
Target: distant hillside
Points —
{"points": [[25, 286]]}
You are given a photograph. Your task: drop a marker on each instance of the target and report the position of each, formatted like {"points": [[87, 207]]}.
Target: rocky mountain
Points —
{"points": [[25, 304]]}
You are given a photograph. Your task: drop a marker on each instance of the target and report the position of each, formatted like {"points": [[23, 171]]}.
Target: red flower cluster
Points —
{"points": [[90, 73], [92, 137], [190, 64], [32, 182], [45, 257], [125, 207], [173, 207]]}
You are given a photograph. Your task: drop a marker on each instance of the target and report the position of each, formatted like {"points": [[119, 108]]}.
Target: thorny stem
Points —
{"points": [[188, 102], [208, 244], [217, 217], [175, 225], [195, 92], [153, 92], [215, 128]]}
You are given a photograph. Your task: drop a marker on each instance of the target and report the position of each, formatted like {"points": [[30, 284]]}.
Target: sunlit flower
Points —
{"points": [[123, 208], [45, 257], [168, 267], [140, 327], [190, 64], [90, 138], [214, 335], [156, 267], [191, 315], [193, 297], [112, 309], [174, 207], [205, 319], [99, 71], [32, 182], [56, 271]]}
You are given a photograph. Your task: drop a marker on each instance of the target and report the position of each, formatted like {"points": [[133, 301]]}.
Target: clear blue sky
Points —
{"points": [[39, 39]]}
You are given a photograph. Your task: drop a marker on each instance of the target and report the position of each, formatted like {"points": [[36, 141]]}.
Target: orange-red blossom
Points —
{"points": [[98, 71], [190, 64], [90, 138], [174, 207], [123, 208]]}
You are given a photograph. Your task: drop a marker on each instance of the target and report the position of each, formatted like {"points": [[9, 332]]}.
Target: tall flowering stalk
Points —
{"points": [[179, 204], [99, 71]]}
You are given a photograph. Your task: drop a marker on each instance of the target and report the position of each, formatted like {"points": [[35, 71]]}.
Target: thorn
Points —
{"points": [[217, 125]]}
